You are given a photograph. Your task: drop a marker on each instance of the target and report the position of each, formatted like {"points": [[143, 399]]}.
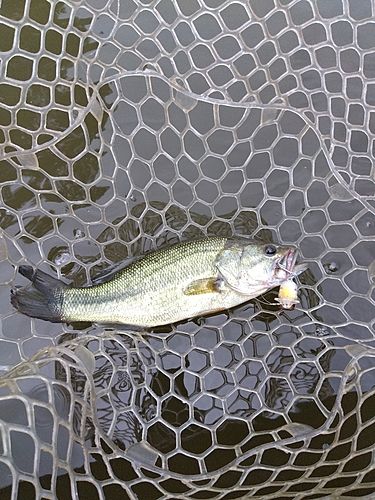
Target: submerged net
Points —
{"points": [[129, 125]]}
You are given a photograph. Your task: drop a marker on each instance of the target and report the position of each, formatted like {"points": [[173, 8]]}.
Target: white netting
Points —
{"points": [[128, 125]]}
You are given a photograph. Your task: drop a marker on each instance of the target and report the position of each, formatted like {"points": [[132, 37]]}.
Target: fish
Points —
{"points": [[180, 282]]}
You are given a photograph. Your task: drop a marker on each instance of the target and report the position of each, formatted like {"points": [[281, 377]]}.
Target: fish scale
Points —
{"points": [[150, 291]]}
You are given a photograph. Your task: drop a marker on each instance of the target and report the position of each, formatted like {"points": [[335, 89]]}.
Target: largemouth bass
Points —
{"points": [[183, 281]]}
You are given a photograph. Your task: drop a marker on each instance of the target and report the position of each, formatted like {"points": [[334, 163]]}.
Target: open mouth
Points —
{"points": [[284, 267], [289, 260]]}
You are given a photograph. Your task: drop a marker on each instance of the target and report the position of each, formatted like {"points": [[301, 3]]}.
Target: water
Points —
{"points": [[127, 127]]}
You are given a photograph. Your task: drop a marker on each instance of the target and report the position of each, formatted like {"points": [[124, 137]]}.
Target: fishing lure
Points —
{"points": [[287, 295]]}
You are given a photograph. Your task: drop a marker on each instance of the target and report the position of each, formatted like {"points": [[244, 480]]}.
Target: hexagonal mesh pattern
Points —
{"points": [[129, 125]]}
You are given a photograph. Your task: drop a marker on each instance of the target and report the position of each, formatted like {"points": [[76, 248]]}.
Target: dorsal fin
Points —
{"points": [[107, 273]]}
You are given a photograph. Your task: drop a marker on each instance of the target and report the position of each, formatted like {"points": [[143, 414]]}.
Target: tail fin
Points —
{"points": [[42, 298]]}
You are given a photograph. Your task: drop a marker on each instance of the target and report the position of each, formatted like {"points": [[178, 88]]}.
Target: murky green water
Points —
{"points": [[128, 126]]}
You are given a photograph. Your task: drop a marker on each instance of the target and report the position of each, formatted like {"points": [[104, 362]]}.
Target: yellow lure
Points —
{"points": [[287, 295]]}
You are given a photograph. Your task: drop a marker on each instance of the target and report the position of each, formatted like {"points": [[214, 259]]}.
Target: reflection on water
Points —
{"points": [[135, 400]]}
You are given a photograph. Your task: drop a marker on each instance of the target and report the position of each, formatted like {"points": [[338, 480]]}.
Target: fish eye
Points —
{"points": [[270, 250]]}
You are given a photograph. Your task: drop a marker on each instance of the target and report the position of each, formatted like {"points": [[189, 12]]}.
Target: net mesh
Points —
{"points": [[129, 125]]}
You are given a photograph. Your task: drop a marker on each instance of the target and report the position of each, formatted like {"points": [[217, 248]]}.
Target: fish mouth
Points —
{"points": [[285, 265]]}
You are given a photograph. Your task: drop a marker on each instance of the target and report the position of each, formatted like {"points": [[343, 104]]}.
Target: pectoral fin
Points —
{"points": [[207, 285]]}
